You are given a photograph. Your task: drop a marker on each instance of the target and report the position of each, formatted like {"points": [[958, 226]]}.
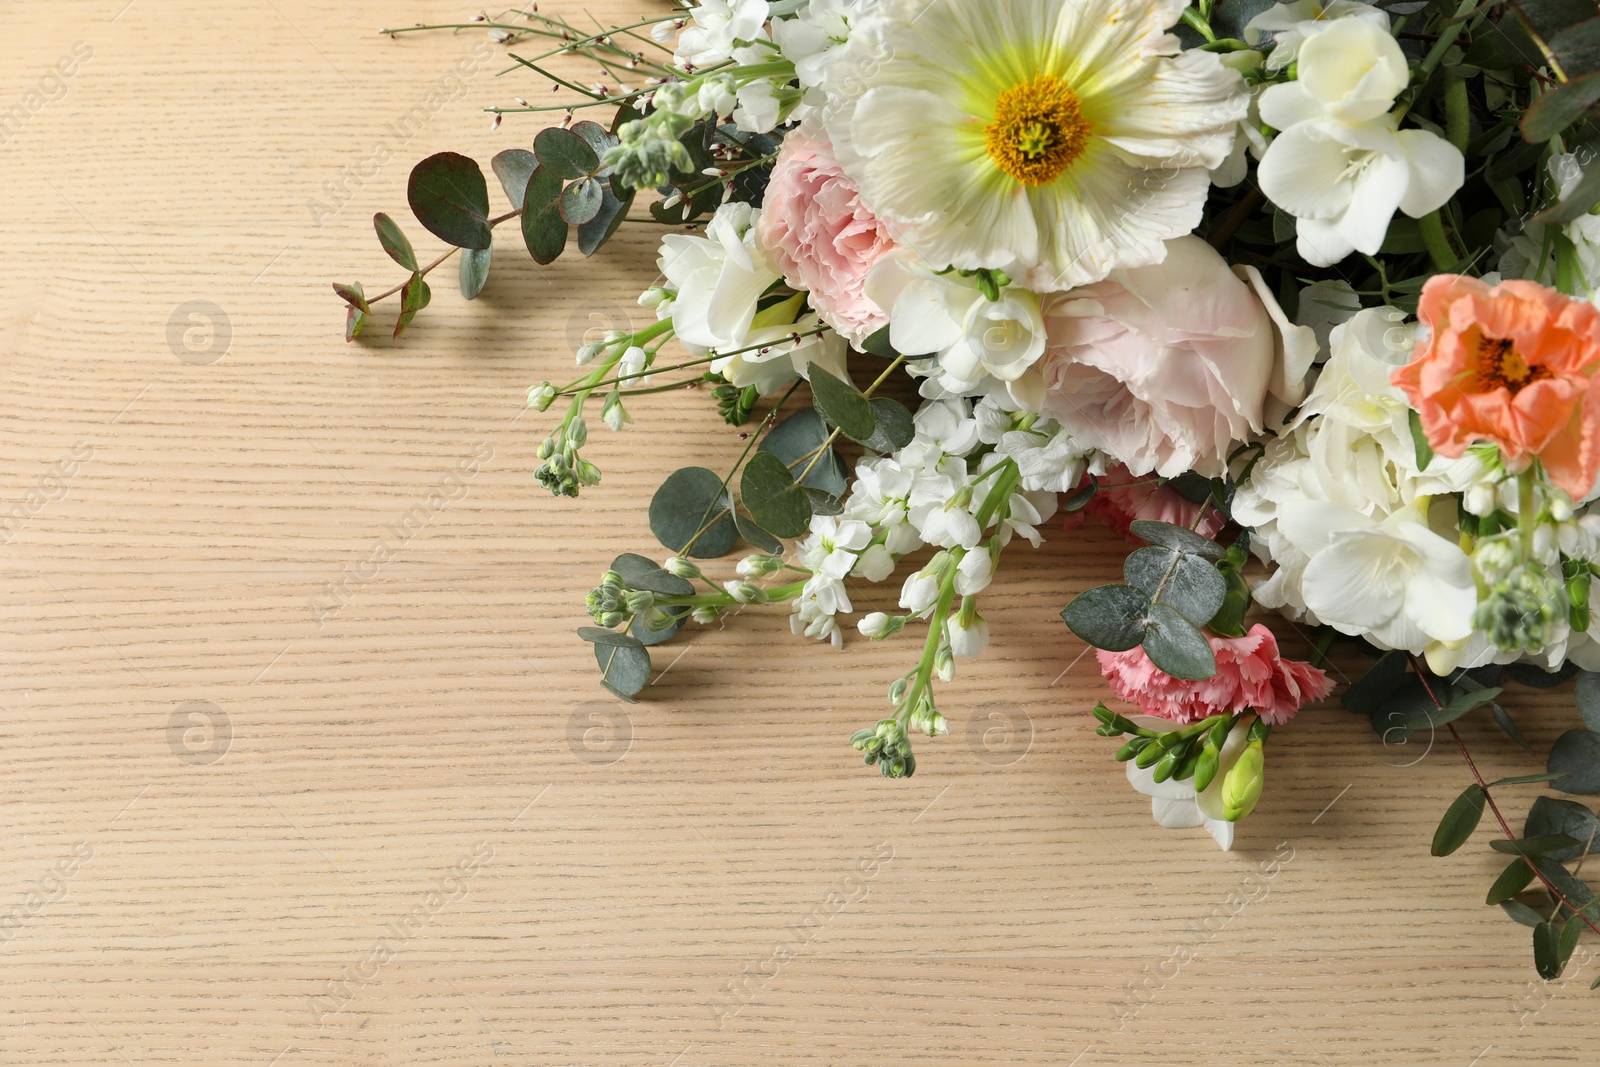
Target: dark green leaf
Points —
{"points": [[1525, 779], [1503, 719], [798, 437], [413, 298], [1165, 533], [1521, 912], [642, 572], [1109, 617], [1460, 819], [1559, 108], [394, 242], [544, 231], [1549, 815], [1176, 646], [1188, 583], [594, 135], [598, 230], [877, 344], [755, 535], [599, 635], [449, 196], [1546, 953], [767, 489], [1535, 678], [1587, 693], [565, 153], [1568, 941], [580, 201], [823, 503], [355, 320], [1534, 846], [513, 167], [1419, 440], [894, 429], [1080, 497], [843, 404], [1569, 885], [690, 501], [1513, 880], [1577, 754], [474, 271]]}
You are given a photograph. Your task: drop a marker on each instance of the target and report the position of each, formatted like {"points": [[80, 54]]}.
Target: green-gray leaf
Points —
{"points": [[894, 429], [1460, 819], [1171, 536], [449, 196], [1521, 913], [843, 403], [474, 271], [598, 230], [1535, 846], [413, 298], [1577, 754], [1187, 582], [1176, 646], [394, 242], [1109, 617], [1587, 693], [580, 201], [799, 436], [642, 572], [755, 535], [1546, 952], [691, 499], [513, 167], [565, 153], [767, 489], [1550, 815]]}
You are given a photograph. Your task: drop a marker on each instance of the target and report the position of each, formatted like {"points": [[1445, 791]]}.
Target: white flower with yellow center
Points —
{"points": [[1056, 140]]}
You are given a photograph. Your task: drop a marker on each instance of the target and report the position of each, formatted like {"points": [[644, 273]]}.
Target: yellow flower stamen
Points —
{"points": [[1038, 130]]}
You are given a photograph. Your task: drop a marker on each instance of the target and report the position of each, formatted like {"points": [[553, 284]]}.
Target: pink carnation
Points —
{"points": [[1250, 675], [817, 231], [1118, 504]]}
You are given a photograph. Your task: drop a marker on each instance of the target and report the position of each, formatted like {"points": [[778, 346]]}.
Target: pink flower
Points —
{"points": [[1251, 675], [1117, 505], [1167, 367], [817, 231]]}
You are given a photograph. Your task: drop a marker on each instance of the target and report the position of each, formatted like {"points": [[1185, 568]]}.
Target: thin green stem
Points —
{"points": [[826, 444]]}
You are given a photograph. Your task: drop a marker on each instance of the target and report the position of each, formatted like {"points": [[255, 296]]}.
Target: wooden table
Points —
{"points": [[242, 828]]}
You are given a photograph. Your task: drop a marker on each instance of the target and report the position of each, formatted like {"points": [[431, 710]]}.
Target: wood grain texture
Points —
{"points": [[417, 831]]}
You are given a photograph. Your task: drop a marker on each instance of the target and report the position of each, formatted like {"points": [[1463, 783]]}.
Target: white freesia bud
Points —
{"points": [[682, 567], [968, 642], [745, 593], [1560, 507], [877, 625], [541, 396], [759, 566], [875, 564]]}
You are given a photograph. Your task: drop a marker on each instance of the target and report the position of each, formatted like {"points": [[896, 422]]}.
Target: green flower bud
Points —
{"points": [[640, 601], [1134, 746], [541, 396], [1205, 768], [1241, 786], [705, 616], [1166, 765], [682, 567], [577, 432], [1148, 755]]}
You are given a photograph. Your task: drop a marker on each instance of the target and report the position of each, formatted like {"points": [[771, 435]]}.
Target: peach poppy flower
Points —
{"points": [[1513, 364]]}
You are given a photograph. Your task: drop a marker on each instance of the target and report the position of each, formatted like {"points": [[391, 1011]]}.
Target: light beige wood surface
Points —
{"points": [[416, 831]]}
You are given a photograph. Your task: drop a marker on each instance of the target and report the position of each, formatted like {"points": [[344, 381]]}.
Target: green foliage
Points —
{"points": [[775, 502], [394, 242], [624, 664], [1576, 754], [1460, 819], [449, 196], [691, 514], [474, 271]]}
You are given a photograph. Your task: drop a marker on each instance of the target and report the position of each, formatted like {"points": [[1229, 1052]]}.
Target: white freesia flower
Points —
{"points": [[778, 352], [811, 38], [1175, 804], [1249, 140], [1291, 24], [1340, 165], [1056, 140], [718, 27], [1394, 580], [946, 315], [718, 278]]}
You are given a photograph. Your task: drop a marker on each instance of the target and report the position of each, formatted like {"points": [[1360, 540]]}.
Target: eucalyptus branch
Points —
{"points": [[424, 271], [834, 435]]}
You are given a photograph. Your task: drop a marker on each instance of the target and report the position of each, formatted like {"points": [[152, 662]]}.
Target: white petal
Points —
{"points": [[1288, 104], [1221, 831], [1176, 814], [1351, 584], [1301, 173], [1437, 171], [1378, 192]]}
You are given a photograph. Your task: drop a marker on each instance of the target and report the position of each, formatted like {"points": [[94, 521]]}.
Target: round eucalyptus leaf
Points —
{"points": [[1176, 537], [580, 201], [799, 436], [513, 167], [565, 153], [1187, 582], [1551, 815], [767, 489], [1176, 646], [450, 197], [1110, 617], [691, 514], [894, 428], [474, 271], [843, 403], [1577, 753]]}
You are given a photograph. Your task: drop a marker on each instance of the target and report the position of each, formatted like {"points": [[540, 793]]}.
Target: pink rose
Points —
{"points": [[1167, 367], [1250, 675], [817, 231], [1118, 504]]}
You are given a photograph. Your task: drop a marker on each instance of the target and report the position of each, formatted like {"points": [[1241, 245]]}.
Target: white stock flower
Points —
{"points": [[1056, 140], [718, 277], [875, 564], [833, 547], [1340, 165], [967, 642], [974, 572], [718, 28], [814, 610], [946, 315], [1291, 24], [810, 38]]}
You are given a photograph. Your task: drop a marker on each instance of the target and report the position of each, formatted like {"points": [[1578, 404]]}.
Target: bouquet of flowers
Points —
{"points": [[1297, 296]]}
